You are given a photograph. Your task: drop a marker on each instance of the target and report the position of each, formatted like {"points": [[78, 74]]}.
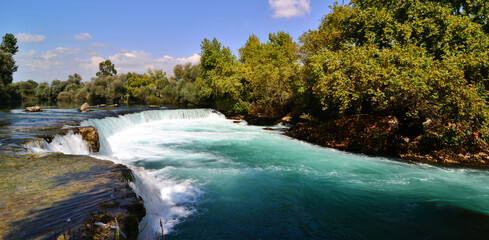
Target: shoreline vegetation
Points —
{"points": [[423, 63]]}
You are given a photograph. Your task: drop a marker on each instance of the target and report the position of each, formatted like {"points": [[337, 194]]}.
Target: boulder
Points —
{"points": [[153, 106], [85, 107], [102, 105], [114, 105], [90, 135], [287, 119], [33, 109]]}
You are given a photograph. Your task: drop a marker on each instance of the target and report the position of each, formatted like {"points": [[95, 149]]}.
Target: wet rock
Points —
{"points": [[33, 109], [102, 105], [261, 120], [364, 134], [114, 105], [153, 106], [235, 117], [287, 119], [91, 136], [85, 107], [268, 128], [236, 121]]}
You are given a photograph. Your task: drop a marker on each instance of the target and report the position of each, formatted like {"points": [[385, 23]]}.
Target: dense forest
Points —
{"points": [[417, 60]]}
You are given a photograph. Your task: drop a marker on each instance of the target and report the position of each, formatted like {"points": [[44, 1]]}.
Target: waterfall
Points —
{"points": [[68, 144], [110, 125], [164, 199]]}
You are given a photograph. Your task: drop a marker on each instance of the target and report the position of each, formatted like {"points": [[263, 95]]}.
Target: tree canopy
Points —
{"points": [[106, 68]]}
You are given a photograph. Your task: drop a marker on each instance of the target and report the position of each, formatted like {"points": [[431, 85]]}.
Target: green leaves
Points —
{"points": [[411, 59], [106, 68]]}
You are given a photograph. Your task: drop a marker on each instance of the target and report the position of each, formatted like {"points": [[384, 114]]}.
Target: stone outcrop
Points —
{"points": [[261, 120], [33, 109], [90, 135], [362, 134], [85, 107], [79, 191], [381, 136]]}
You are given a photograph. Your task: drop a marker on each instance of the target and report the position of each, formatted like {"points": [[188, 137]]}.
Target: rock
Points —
{"points": [[90, 135], [268, 128], [114, 105], [287, 119], [393, 123], [427, 125], [153, 106], [85, 107], [261, 120], [102, 105], [235, 117], [236, 121], [33, 109]]}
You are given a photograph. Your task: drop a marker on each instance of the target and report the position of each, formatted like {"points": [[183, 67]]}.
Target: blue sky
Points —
{"points": [[58, 38]]}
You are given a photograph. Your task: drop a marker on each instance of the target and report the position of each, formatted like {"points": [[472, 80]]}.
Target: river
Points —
{"points": [[206, 177]]}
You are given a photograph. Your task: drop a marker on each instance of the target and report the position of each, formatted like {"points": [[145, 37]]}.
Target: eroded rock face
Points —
{"points": [[33, 109], [364, 134], [90, 135], [85, 107]]}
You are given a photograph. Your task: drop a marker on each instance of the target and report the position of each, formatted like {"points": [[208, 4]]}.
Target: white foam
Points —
{"points": [[165, 199], [68, 144]]}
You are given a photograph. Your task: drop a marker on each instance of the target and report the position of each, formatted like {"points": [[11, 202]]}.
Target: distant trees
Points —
{"points": [[106, 68]]}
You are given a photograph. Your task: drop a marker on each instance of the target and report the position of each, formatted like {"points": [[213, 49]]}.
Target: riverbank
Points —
{"points": [[43, 197], [381, 136]]}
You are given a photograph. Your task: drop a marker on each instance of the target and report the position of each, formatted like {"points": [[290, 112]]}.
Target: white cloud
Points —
{"points": [[30, 38], [100, 45], [289, 8], [83, 36], [140, 61]]}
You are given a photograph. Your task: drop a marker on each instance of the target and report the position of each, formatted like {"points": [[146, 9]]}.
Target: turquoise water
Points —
{"points": [[206, 177]]}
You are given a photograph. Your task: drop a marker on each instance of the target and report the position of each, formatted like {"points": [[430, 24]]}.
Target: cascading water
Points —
{"points": [[208, 178], [67, 144]]}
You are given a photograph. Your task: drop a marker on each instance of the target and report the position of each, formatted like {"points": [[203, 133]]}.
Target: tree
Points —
{"points": [[219, 83], [8, 48], [9, 44], [106, 68], [270, 72], [414, 59]]}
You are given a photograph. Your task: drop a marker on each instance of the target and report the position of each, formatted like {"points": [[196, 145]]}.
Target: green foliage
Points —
{"points": [[106, 68], [185, 78], [270, 72], [219, 83], [411, 59], [9, 44]]}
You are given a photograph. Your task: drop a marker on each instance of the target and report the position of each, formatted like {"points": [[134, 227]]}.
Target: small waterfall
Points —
{"points": [[164, 200], [68, 144], [110, 125]]}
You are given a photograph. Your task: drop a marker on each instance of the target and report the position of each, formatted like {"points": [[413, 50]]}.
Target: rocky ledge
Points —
{"points": [[68, 197], [380, 136]]}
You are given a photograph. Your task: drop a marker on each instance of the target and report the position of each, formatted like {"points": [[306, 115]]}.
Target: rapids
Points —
{"points": [[206, 177]]}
